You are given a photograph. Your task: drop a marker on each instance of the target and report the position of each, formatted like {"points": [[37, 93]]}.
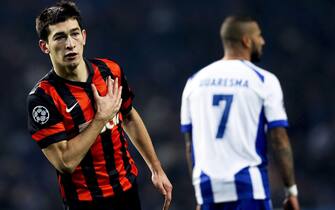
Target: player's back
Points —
{"points": [[224, 103]]}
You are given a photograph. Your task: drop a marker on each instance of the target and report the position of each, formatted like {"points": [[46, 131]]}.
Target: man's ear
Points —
{"points": [[83, 32], [44, 46], [246, 41]]}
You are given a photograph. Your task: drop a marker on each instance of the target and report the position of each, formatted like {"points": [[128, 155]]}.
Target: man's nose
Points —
{"points": [[70, 43]]}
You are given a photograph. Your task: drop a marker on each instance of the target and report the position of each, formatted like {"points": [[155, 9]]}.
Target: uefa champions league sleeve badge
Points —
{"points": [[40, 114]]}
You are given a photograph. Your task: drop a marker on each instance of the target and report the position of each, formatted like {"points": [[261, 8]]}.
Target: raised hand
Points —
{"points": [[109, 105]]}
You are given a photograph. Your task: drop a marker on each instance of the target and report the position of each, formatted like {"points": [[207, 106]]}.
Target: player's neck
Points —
{"points": [[236, 55], [77, 73]]}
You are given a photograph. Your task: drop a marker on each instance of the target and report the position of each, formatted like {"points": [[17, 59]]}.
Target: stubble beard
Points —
{"points": [[255, 55]]}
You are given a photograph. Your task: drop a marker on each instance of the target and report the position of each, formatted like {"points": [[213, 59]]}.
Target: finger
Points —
{"points": [[119, 104], [168, 198], [95, 92], [161, 189], [110, 83], [116, 86], [168, 189], [119, 95], [166, 204]]}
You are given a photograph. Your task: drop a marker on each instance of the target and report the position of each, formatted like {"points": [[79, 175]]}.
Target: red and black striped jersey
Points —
{"points": [[60, 109]]}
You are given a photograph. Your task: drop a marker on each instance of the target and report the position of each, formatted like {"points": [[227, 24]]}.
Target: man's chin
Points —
{"points": [[72, 64]]}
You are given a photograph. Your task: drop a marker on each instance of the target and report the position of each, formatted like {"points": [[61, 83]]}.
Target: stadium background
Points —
{"points": [[160, 44]]}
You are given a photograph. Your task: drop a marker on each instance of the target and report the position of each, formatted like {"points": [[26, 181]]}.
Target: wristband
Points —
{"points": [[291, 191]]}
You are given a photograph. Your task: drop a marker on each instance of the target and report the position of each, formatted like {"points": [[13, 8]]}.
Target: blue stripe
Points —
{"points": [[192, 154], [206, 188], [254, 69], [261, 149], [243, 184], [261, 145], [186, 128], [278, 123]]}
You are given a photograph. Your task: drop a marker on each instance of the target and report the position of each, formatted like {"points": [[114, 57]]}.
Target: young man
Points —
{"points": [[79, 113], [226, 109]]}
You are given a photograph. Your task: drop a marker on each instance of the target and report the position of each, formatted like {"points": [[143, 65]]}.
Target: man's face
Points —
{"points": [[66, 43], [257, 43]]}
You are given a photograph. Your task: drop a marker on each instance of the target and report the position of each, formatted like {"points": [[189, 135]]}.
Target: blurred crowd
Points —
{"points": [[160, 44]]}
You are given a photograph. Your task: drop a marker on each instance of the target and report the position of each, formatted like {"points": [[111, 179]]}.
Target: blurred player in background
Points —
{"points": [[227, 108], [79, 114]]}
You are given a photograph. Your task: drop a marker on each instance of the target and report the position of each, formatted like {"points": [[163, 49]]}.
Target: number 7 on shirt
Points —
{"points": [[216, 102]]}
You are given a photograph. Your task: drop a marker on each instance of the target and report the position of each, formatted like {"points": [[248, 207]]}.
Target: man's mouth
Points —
{"points": [[71, 55]]}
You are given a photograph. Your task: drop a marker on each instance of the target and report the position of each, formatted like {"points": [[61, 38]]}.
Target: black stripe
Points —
{"points": [[125, 158], [103, 68], [43, 143], [78, 119], [90, 176], [107, 145], [131, 177], [69, 188], [76, 114]]}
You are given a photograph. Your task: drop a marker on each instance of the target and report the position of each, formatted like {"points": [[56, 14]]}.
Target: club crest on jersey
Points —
{"points": [[40, 114]]}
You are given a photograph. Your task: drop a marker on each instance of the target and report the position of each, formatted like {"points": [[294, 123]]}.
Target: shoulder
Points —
{"points": [[193, 80], [205, 70], [107, 63], [42, 85], [264, 75]]}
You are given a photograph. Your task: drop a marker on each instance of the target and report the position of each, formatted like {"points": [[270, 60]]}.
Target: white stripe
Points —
{"points": [[257, 183], [198, 193], [224, 191]]}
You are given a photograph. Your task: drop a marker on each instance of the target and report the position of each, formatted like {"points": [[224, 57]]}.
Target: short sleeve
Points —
{"points": [[185, 114], [127, 95], [44, 121], [274, 103]]}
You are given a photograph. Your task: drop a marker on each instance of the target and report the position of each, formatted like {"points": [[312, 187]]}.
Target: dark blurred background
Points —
{"points": [[159, 44]]}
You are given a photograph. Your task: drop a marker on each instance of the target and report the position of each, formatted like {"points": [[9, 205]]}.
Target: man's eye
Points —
{"points": [[59, 37]]}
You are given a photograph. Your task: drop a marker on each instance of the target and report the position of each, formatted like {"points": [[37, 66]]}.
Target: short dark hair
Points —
{"points": [[233, 28], [60, 12]]}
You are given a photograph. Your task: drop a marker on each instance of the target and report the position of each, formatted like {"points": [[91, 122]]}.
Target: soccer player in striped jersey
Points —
{"points": [[227, 108], [79, 114]]}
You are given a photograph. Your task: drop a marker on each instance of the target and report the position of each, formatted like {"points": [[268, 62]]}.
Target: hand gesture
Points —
{"points": [[162, 183], [109, 105]]}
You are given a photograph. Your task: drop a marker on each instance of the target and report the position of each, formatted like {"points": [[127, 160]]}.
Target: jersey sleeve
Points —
{"points": [[274, 104], [44, 121], [127, 95], [185, 114]]}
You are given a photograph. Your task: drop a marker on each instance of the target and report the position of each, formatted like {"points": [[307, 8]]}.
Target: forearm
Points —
{"points": [[188, 152], [80, 144], [67, 155], [283, 155], [138, 134]]}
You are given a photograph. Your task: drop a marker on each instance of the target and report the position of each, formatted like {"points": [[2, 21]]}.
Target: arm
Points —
{"points": [[138, 134], [284, 158], [66, 155], [188, 151]]}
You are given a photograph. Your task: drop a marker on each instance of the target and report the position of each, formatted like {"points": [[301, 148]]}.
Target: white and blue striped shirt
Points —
{"points": [[227, 106]]}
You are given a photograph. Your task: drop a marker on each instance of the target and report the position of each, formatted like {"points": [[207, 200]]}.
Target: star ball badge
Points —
{"points": [[41, 114]]}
